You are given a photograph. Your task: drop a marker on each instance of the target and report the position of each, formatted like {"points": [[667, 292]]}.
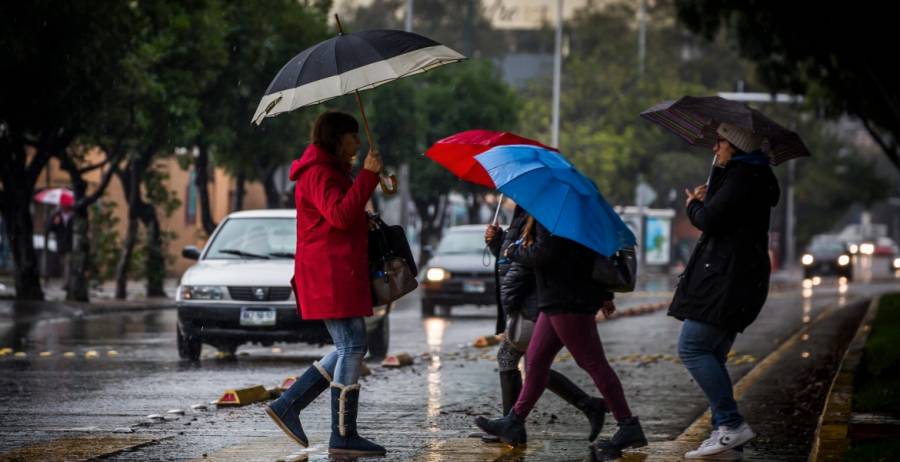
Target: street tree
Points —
{"points": [[836, 57], [58, 61]]}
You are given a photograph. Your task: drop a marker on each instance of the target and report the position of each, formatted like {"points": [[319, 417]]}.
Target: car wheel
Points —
{"points": [[427, 308], [188, 347], [379, 339]]}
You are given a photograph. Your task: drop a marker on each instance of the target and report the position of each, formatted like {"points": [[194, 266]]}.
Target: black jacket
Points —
{"points": [[563, 269], [63, 231], [727, 277], [516, 290]]}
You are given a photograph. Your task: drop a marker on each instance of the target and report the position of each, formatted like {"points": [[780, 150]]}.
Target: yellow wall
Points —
{"points": [[221, 187]]}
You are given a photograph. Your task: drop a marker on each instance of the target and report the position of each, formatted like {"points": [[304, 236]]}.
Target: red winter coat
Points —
{"points": [[331, 276]]}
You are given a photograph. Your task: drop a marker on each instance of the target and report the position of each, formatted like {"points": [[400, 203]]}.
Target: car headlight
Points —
{"points": [[437, 274], [807, 259], [844, 260], [867, 248], [897, 263], [854, 248], [201, 293]]}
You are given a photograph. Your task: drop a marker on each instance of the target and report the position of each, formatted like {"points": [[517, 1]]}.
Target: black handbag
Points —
{"points": [[617, 273], [392, 268]]}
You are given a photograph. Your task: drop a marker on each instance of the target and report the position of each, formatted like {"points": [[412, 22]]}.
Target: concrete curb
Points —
{"points": [[831, 441]]}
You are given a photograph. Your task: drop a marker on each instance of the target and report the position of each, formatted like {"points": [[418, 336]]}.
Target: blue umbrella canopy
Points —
{"points": [[557, 195]]}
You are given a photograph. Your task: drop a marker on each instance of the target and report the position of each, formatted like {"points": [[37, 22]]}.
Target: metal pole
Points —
{"points": [[642, 36], [557, 74], [789, 241], [409, 15]]}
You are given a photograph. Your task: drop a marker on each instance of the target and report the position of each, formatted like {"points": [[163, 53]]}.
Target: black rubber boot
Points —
{"points": [[510, 429], [593, 408], [629, 435], [510, 386], [285, 410], [345, 441]]}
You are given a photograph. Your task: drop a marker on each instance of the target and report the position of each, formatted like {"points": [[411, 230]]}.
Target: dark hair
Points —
{"points": [[330, 127]]}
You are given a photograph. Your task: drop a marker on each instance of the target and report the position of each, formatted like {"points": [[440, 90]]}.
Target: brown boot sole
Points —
{"points": [[284, 428], [353, 452]]}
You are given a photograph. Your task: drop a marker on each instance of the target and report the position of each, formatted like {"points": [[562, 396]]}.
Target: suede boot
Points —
{"points": [[345, 441], [510, 429], [593, 408], [285, 410], [629, 435]]}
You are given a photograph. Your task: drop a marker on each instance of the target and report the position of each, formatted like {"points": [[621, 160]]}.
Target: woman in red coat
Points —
{"points": [[331, 280]]}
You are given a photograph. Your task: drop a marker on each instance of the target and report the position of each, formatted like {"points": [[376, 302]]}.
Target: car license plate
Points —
{"points": [[473, 287], [257, 317]]}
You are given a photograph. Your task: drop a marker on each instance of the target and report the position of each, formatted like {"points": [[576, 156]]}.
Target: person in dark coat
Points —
{"points": [[517, 303], [568, 301], [61, 225], [726, 281], [331, 278]]}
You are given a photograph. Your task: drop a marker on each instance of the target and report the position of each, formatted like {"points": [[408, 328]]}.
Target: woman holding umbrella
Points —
{"points": [[331, 278], [568, 300], [726, 280]]}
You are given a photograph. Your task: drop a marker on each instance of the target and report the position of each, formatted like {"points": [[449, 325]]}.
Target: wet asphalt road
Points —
{"points": [[421, 412]]}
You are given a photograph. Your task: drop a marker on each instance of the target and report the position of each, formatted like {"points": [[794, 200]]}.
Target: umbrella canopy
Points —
{"points": [[457, 152], [348, 63], [557, 195], [55, 196], [695, 120]]}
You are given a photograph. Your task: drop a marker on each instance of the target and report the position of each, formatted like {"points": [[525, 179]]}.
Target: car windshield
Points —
{"points": [[827, 247], [254, 238], [461, 242]]}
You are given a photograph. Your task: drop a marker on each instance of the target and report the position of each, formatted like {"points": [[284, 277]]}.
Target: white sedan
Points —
{"points": [[239, 290]]}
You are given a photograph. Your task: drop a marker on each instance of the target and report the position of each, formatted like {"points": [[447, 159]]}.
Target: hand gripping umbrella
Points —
{"points": [[347, 64]]}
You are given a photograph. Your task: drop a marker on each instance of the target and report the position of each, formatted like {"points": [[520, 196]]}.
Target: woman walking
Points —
{"points": [[518, 305], [331, 279], [568, 301], [726, 280]]}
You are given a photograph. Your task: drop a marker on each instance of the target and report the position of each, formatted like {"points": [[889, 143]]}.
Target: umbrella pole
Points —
{"points": [[497, 212], [387, 189]]}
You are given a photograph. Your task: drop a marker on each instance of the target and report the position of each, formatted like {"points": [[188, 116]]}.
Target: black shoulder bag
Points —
{"points": [[392, 268], [618, 272]]}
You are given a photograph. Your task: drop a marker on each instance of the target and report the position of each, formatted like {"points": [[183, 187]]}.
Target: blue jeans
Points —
{"points": [[349, 336], [703, 349]]}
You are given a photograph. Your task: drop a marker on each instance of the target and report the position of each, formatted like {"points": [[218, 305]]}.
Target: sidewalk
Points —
{"points": [[103, 301]]}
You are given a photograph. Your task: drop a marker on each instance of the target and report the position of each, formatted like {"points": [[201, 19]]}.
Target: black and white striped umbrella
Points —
{"points": [[348, 63]]}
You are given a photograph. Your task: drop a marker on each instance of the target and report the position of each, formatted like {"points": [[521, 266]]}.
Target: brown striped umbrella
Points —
{"points": [[695, 119]]}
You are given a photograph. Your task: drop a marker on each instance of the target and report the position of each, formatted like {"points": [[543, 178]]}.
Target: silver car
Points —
{"points": [[239, 290]]}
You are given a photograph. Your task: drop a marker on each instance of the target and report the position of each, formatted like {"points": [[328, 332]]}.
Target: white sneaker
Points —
{"points": [[721, 443]]}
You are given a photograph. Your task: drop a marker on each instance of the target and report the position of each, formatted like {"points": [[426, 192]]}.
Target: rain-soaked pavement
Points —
{"points": [[84, 386]]}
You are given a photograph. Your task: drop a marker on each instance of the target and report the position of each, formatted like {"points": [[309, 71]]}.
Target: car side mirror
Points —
{"points": [[191, 252]]}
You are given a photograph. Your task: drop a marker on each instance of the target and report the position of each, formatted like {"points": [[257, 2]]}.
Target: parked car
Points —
{"points": [[460, 272], [827, 256], [239, 290]]}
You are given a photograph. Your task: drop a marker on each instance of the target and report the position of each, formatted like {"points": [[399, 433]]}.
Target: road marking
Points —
{"points": [[79, 448]]}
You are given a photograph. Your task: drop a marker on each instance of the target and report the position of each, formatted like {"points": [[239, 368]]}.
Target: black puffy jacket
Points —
{"points": [[516, 290], [726, 280], [563, 273]]}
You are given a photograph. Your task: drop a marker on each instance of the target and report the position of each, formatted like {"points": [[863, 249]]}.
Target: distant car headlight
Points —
{"points": [[807, 259], [844, 260], [867, 249], [897, 263], [437, 274], [854, 248], [201, 293]]}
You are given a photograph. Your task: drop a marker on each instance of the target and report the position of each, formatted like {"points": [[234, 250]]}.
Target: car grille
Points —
{"points": [[271, 294]]}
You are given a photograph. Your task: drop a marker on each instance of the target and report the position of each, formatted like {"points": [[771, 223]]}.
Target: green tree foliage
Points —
{"points": [[836, 56], [260, 37]]}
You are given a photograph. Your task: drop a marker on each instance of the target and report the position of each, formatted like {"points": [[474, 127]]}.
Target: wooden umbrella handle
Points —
{"points": [[388, 190]]}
